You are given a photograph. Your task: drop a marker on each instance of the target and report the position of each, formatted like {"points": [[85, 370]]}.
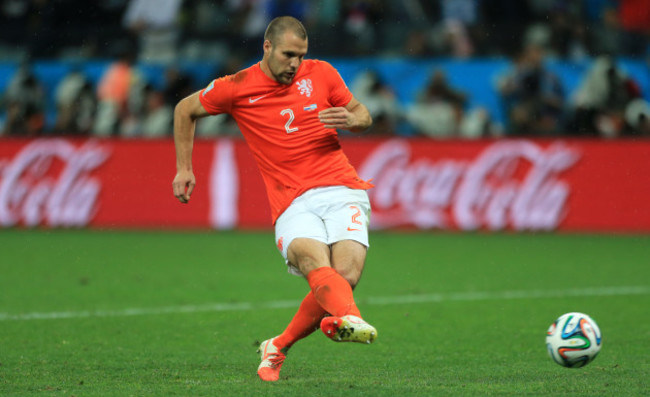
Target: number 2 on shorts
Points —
{"points": [[356, 215]]}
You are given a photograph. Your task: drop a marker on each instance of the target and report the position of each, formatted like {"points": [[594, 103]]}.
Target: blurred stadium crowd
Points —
{"points": [[222, 36]]}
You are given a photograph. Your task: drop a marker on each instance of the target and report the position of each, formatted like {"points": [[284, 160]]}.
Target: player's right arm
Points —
{"points": [[187, 111]]}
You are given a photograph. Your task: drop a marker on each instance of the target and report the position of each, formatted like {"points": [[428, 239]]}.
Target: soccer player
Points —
{"points": [[288, 109]]}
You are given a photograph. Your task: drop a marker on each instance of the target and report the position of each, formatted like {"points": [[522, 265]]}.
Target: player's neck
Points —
{"points": [[264, 65]]}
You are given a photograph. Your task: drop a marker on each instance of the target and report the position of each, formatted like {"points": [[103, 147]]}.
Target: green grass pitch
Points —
{"points": [[138, 313]]}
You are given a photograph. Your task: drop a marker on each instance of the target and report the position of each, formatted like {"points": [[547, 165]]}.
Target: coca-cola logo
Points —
{"points": [[509, 184], [49, 182]]}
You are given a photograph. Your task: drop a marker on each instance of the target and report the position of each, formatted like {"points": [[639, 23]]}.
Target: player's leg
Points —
{"points": [[273, 351], [329, 293], [310, 313], [348, 258], [297, 221], [346, 223], [330, 289], [300, 237], [347, 226], [306, 320], [308, 254]]}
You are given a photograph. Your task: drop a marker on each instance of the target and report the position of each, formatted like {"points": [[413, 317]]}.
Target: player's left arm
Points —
{"points": [[353, 117]]}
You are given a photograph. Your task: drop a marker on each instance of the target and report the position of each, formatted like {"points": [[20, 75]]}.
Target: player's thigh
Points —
{"points": [[300, 236], [348, 259], [347, 221]]}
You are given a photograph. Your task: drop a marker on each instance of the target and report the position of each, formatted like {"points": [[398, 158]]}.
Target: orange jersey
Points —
{"points": [[293, 149]]}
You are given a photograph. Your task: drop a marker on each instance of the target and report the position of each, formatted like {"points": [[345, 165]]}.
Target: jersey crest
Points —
{"points": [[305, 87]]}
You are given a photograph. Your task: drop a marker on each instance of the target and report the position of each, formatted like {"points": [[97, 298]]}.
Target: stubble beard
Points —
{"points": [[282, 78]]}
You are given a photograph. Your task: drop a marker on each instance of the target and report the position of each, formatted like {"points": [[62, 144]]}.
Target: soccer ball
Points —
{"points": [[573, 340]]}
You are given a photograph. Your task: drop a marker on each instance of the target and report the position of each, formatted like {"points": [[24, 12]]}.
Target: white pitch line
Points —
{"points": [[385, 300]]}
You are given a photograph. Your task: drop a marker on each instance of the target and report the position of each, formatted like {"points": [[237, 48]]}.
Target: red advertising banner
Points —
{"points": [[572, 185]]}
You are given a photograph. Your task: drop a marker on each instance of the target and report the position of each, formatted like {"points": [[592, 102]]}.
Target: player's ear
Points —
{"points": [[267, 47]]}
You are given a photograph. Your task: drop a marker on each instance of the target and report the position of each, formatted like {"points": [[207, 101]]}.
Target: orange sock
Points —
{"points": [[304, 322], [332, 292]]}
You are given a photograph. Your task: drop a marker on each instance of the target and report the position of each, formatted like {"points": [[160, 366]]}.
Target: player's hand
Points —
{"points": [[183, 185], [337, 118]]}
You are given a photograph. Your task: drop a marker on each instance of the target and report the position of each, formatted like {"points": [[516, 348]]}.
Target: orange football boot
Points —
{"points": [[272, 359]]}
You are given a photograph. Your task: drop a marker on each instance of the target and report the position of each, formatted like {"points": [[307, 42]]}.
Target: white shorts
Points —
{"points": [[327, 214]]}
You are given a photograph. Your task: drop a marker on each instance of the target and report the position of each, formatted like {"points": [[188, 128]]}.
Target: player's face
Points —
{"points": [[284, 56]]}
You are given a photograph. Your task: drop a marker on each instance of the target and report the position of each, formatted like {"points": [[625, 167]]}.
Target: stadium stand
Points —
{"points": [[402, 42]]}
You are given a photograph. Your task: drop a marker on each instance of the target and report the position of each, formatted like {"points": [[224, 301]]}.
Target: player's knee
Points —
{"points": [[307, 264], [351, 274], [307, 255]]}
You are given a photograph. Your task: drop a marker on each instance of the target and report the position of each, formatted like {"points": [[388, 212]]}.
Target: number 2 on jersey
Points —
{"points": [[287, 126]]}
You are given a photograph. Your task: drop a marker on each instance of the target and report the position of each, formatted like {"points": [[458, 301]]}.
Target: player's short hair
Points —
{"points": [[280, 25]]}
